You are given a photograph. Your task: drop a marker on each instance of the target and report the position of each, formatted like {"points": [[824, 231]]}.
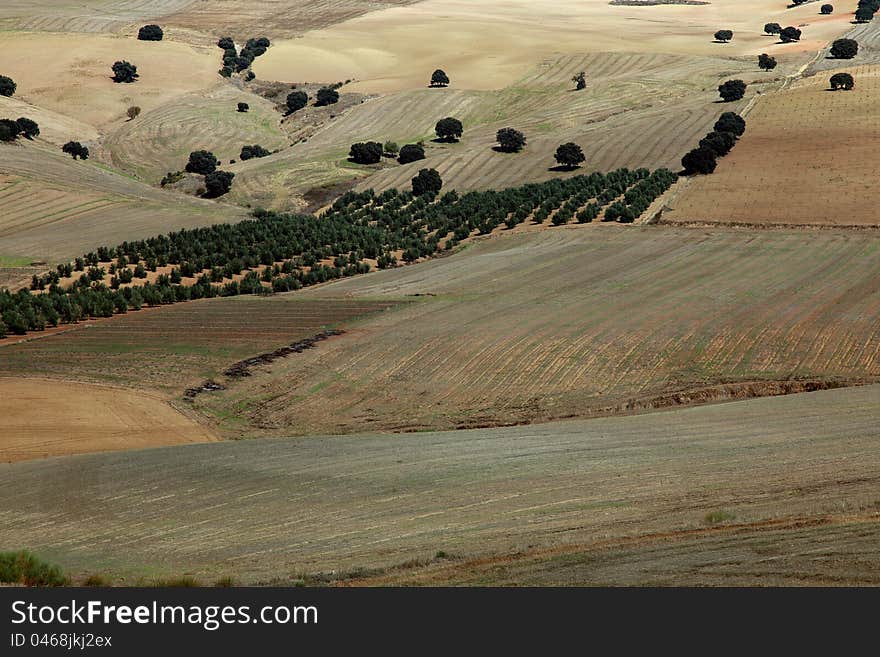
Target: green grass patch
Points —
{"points": [[717, 517]]}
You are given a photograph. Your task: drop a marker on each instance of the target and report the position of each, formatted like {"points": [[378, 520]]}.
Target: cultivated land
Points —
{"points": [[770, 491], [806, 158], [41, 420], [575, 321]]}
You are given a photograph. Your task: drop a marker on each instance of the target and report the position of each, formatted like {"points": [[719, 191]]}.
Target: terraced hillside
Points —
{"points": [[768, 491], [581, 320], [808, 157]]}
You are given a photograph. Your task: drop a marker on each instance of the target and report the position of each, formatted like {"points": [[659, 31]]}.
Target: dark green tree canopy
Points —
{"points": [[844, 48], [719, 143], [411, 153], [202, 162], [510, 140], [772, 28], [789, 34], [150, 33], [243, 107], [731, 122], [449, 129], [723, 35], [428, 181], [369, 152], [766, 62], [843, 81], [826, 9], [248, 152], [296, 100], [580, 80], [76, 150], [218, 183], [439, 78], [864, 14], [28, 127], [327, 96], [7, 86], [570, 155], [226, 43], [732, 90], [124, 72], [701, 160], [9, 130]]}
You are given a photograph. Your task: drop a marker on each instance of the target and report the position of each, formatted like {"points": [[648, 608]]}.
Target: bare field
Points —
{"points": [[808, 157], [577, 321], [793, 480], [167, 349], [488, 44], [42, 419]]}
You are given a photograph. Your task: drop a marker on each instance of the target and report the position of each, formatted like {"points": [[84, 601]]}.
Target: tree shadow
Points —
{"points": [[564, 168], [499, 149], [445, 140]]}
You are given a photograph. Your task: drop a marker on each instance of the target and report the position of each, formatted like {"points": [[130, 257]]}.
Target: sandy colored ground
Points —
{"points": [[70, 73], [487, 44], [37, 421], [794, 480], [809, 156]]}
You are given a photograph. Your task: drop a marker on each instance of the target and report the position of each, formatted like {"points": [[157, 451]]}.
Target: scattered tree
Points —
{"points": [[202, 162], [217, 183], [732, 90], [124, 72], [411, 153], [243, 107], [133, 112], [248, 152], [580, 80], [449, 129], [731, 122], [864, 14], [766, 62], [826, 9], [9, 130], [226, 43], [29, 128], [296, 100], [327, 96], [439, 78], [150, 33], [843, 81], [570, 155], [844, 49], [772, 28], [723, 36], [701, 160], [391, 148], [789, 34], [510, 140], [719, 143], [369, 152], [76, 150], [7, 86], [428, 181]]}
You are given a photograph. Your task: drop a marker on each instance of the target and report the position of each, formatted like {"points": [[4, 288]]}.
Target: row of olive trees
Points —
{"points": [[718, 143]]}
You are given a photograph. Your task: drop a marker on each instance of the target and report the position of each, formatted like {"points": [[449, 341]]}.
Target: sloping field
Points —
{"points": [[70, 73], [169, 349], [752, 477], [161, 141], [809, 156], [55, 208], [42, 419], [576, 321], [83, 15], [638, 110], [489, 44]]}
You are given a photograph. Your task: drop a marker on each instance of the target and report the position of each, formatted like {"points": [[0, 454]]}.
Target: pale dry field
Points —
{"points": [[43, 418], [488, 44], [574, 321], [793, 478], [808, 157]]}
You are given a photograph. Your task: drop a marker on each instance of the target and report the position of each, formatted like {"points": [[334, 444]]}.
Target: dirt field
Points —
{"points": [[42, 418], [573, 321], [489, 44], [169, 349], [807, 158], [733, 493]]}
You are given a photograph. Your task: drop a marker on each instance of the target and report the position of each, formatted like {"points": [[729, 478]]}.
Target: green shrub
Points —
{"points": [[22, 567]]}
